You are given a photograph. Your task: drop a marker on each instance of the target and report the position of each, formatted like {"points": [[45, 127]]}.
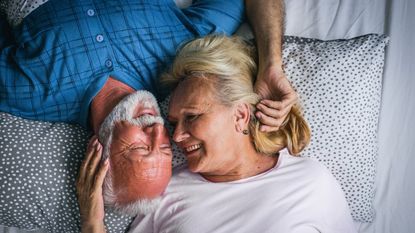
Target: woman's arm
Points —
{"points": [[267, 19], [89, 189]]}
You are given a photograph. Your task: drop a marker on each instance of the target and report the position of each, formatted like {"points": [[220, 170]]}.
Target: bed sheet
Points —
{"points": [[333, 19]]}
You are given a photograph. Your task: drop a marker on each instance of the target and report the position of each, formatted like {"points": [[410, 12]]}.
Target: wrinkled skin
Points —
{"points": [[89, 188], [140, 161]]}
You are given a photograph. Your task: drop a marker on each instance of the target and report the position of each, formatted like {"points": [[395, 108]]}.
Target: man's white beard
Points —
{"points": [[124, 111], [142, 206]]}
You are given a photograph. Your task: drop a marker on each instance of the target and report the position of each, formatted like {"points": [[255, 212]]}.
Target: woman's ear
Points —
{"points": [[242, 116]]}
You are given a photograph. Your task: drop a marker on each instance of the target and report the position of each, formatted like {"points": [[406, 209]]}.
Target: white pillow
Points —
{"points": [[339, 83]]}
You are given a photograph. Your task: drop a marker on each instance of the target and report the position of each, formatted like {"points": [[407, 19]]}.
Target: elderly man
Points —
{"points": [[82, 61]]}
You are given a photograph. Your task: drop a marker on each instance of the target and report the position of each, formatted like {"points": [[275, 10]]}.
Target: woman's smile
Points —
{"points": [[193, 147]]}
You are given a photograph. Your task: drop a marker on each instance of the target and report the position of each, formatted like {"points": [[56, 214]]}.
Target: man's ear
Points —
{"points": [[242, 116]]}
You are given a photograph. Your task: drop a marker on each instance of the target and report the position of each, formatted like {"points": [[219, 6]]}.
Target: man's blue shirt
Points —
{"points": [[62, 54]]}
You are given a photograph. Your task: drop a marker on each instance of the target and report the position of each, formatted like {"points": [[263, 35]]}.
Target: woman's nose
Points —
{"points": [[179, 133]]}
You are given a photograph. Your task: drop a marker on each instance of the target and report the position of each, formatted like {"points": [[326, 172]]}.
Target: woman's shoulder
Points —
{"points": [[305, 167], [288, 160]]}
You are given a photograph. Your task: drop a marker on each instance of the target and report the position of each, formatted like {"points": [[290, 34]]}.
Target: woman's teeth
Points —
{"points": [[193, 147]]}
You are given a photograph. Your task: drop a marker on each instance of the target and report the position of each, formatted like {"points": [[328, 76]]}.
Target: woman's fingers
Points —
{"points": [[89, 154], [89, 185], [90, 168], [99, 178], [93, 165]]}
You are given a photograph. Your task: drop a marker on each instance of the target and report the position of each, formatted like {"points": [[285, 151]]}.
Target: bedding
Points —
{"points": [[339, 83], [16, 10]]}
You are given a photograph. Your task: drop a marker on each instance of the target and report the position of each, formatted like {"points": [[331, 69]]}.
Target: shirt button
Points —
{"points": [[99, 38], [108, 63], [90, 12]]}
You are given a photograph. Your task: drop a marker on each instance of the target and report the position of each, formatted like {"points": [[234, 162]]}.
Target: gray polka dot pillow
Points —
{"points": [[339, 83], [16, 10], [39, 162]]}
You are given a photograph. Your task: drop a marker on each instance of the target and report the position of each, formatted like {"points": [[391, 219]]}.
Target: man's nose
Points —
{"points": [[159, 130], [156, 130]]}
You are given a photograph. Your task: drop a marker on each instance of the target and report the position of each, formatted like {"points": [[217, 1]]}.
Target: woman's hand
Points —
{"points": [[279, 97], [89, 188]]}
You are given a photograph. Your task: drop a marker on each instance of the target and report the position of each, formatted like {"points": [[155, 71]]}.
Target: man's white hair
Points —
{"points": [[124, 111]]}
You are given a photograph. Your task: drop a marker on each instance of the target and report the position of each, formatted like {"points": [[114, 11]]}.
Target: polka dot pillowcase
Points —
{"points": [[339, 83]]}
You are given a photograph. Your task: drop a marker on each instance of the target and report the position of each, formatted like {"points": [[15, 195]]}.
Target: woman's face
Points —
{"points": [[204, 128]]}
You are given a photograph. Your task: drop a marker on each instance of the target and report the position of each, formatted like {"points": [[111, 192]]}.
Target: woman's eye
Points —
{"points": [[192, 117]]}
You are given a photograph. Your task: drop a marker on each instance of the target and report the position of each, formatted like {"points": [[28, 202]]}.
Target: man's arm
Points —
{"points": [[267, 20], [5, 31]]}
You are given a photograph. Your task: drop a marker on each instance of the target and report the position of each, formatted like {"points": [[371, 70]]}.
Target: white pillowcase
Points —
{"points": [[339, 83]]}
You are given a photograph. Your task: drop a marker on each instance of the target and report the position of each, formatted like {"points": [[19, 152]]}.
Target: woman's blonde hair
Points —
{"points": [[229, 64]]}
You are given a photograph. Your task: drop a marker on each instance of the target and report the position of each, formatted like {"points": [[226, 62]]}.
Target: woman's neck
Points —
{"points": [[250, 164], [106, 99]]}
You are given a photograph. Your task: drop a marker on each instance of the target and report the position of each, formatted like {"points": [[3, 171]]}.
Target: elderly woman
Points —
{"points": [[238, 178]]}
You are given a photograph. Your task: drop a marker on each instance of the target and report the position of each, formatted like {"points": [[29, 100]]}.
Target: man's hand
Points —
{"points": [[278, 98], [89, 188], [267, 19]]}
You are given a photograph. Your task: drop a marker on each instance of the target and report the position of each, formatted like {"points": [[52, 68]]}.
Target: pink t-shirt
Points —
{"points": [[297, 195]]}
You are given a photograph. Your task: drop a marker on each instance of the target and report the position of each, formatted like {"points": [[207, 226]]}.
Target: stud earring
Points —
{"points": [[245, 131]]}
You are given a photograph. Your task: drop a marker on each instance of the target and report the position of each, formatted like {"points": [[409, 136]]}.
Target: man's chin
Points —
{"points": [[140, 207], [134, 200]]}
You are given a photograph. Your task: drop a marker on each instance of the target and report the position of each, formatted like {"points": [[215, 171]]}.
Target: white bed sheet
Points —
{"points": [[394, 202]]}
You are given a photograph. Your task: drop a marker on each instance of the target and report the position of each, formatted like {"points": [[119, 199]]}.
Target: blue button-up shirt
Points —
{"points": [[63, 52]]}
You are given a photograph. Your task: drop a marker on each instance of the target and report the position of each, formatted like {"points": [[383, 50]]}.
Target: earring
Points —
{"points": [[245, 131]]}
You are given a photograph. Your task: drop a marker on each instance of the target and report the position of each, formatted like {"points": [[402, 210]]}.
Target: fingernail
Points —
{"points": [[95, 142], [258, 115], [98, 147]]}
